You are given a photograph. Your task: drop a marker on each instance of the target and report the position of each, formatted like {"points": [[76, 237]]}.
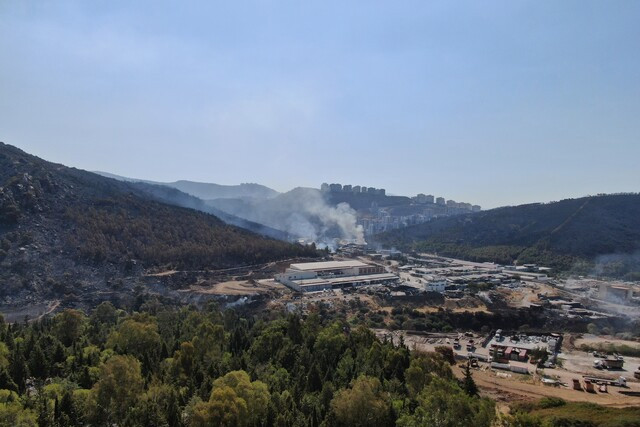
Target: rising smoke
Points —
{"points": [[618, 265], [303, 213]]}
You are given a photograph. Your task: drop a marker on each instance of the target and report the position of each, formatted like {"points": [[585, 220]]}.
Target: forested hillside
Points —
{"points": [[62, 227], [176, 197], [600, 234], [181, 367]]}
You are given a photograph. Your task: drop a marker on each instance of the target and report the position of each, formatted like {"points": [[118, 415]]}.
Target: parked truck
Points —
{"points": [[619, 382]]}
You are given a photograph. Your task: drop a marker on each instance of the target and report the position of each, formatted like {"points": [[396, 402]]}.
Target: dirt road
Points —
{"points": [[513, 387]]}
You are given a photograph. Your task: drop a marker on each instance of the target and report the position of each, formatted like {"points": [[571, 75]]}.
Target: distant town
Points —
{"points": [[386, 213]]}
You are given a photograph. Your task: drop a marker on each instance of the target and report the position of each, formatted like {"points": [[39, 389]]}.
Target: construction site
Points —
{"points": [[506, 368]]}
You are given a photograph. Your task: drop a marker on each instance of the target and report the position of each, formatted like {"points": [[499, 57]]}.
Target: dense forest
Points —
{"points": [[166, 366], [151, 233], [599, 234], [180, 366], [63, 224], [176, 197]]}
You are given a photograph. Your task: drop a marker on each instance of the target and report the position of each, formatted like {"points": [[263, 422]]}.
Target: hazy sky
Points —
{"points": [[487, 102]]}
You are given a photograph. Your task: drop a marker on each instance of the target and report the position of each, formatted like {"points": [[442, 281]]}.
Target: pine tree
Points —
{"points": [[18, 369], [68, 415], [85, 378], [468, 384], [6, 382], [9, 339], [314, 382], [174, 417], [38, 365], [56, 411], [164, 351], [44, 417]]}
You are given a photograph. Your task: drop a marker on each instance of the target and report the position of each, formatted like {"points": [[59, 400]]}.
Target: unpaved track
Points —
{"points": [[510, 390]]}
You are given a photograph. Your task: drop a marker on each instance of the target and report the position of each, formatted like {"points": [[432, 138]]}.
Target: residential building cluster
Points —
{"points": [[379, 220], [347, 188], [398, 212], [428, 199]]}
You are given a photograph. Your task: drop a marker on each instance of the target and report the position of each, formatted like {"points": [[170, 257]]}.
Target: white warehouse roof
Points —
{"points": [[327, 265]]}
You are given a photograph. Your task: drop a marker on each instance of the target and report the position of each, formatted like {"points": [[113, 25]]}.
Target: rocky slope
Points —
{"points": [[68, 233]]}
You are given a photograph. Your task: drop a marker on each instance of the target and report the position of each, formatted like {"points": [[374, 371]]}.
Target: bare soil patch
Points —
{"points": [[510, 390], [238, 287]]}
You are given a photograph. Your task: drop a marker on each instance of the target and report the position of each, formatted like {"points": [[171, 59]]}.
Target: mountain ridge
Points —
{"points": [[206, 190], [571, 234]]}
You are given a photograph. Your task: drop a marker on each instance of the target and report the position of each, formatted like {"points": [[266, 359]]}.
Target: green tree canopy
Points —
{"points": [[365, 403], [117, 389]]}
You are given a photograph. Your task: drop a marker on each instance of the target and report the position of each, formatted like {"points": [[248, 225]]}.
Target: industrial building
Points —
{"points": [[518, 347], [436, 286], [615, 292], [319, 276]]}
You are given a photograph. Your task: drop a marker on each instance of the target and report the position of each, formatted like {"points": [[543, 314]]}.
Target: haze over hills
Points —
{"points": [[205, 191], [585, 235], [176, 197], [68, 231], [599, 234], [302, 212]]}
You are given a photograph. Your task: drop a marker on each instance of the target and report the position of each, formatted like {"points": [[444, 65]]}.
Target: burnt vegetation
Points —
{"points": [[63, 224]]}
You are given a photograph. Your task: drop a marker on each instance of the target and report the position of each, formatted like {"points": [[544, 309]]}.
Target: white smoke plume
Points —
{"points": [[303, 213], [617, 265]]}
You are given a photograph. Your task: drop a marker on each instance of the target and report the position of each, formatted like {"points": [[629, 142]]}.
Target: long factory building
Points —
{"points": [[320, 276]]}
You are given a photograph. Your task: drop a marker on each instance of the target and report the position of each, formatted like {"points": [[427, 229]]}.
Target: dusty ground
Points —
{"points": [[507, 388], [524, 296], [593, 339], [163, 273], [238, 287]]}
